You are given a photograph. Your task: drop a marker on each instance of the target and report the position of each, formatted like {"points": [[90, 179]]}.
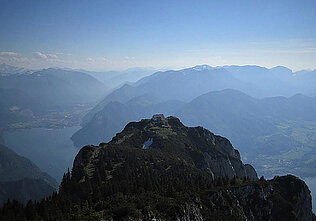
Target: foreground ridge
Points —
{"points": [[159, 169]]}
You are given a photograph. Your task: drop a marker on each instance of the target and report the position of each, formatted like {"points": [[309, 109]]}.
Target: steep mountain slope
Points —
{"points": [[21, 179], [162, 170], [14, 167]]}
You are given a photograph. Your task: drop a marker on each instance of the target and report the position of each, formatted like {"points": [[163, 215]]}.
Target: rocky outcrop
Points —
{"points": [[214, 154], [188, 173], [250, 171], [297, 196]]}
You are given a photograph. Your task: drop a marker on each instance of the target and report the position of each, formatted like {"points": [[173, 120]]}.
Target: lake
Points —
{"points": [[50, 149], [53, 151]]}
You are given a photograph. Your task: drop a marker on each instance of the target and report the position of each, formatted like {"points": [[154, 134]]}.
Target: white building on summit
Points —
{"points": [[158, 117]]}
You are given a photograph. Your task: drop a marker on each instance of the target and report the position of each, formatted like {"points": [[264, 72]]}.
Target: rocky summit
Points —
{"points": [[194, 146], [159, 169]]}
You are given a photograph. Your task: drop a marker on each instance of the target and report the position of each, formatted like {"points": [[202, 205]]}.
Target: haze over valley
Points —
{"points": [[272, 127], [158, 110]]}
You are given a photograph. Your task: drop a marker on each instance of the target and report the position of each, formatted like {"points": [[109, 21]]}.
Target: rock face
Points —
{"points": [[207, 151], [297, 194], [186, 173]]}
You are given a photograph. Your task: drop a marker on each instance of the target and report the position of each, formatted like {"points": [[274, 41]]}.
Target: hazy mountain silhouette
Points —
{"points": [[25, 96], [56, 88], [114, 79], [187, 84], [21, 179]]}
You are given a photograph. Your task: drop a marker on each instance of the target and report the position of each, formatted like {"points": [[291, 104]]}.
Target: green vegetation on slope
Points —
{"points": [[120, 180]]}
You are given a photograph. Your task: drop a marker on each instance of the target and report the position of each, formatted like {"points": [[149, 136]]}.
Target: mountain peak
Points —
{"points": [[186, 171], [202, 67], [168, 136]]}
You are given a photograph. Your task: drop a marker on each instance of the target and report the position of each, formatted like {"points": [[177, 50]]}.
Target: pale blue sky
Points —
{"points": [[102, 35]]}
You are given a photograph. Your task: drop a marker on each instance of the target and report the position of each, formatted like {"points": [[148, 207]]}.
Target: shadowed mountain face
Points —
{"points": [[260, 128], [159, 169], [22, 180]]}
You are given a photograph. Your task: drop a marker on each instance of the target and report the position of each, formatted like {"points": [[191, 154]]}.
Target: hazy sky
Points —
{"points": [[117, 34]]}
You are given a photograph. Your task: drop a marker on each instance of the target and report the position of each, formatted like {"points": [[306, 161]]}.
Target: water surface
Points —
{"points": [[50, 149], [53, 151]]}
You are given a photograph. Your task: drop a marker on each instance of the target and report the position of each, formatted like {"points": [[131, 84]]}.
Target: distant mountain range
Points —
{"points": [[114, 79], [187, 84], [27, 95], [56, 88], [269, 132], [266, 126]]}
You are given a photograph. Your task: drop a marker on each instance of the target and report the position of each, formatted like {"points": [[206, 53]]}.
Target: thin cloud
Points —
{"points": [[104, 60], [40, 55], [54, 56], [8, 53]]}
